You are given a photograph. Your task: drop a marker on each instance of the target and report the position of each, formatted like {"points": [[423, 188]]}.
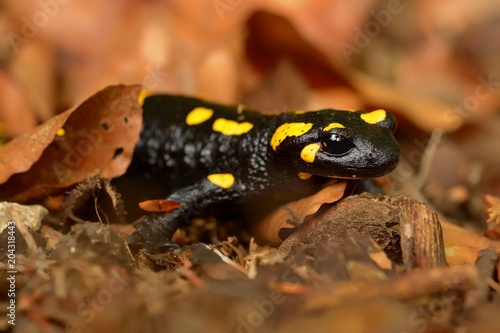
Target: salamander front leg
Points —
{"points": [[154, 234]]}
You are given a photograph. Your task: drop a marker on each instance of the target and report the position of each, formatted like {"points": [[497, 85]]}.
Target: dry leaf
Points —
{"points": [[462, 245], [293, 213], [159, 205], [97, 136], [23, 151]]}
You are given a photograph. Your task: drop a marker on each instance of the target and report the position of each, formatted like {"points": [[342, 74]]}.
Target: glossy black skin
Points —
{"points": [[177, 158]]}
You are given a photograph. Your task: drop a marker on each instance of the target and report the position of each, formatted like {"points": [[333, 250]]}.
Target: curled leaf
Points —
{"points": [[96, 137], [290, 215]]}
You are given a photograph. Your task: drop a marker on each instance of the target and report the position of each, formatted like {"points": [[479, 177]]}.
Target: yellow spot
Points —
{"points": [[374, 116], [223, 180], [198, 115], [60, 132], [299, 112], [333, 125], [289, 129], [308, 154], [304, 175], [142, 96], [231, 127]]}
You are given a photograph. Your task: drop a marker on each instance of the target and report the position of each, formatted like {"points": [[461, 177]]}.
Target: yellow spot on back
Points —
{"points": [[60, 132], [333, 125], [142, 96], [223, 180], [374, 116], [304, 175], [308, 153], [198, 115], [231, 127], [289, 129]]}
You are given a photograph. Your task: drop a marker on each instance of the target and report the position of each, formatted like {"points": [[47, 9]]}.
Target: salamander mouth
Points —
{"points": [[362, 173]]}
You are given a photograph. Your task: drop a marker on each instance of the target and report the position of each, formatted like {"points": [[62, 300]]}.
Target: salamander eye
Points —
{"points": [[336, 144]]}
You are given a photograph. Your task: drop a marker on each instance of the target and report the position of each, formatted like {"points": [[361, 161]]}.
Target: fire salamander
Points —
{"points": [[201, 154]]}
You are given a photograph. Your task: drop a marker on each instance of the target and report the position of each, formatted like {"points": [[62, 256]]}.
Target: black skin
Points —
{"points": [[175, 159]]}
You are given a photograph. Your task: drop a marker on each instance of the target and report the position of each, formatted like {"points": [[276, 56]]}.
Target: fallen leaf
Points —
{"points": [[462, 245], [23, 151], [96, 137], [159, 205], [293, 213]]}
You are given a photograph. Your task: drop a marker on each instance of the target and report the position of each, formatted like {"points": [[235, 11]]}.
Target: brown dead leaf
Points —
{"points": [[23, 151], [268, 229], [98, 137], [159, 205], [462, 245]]}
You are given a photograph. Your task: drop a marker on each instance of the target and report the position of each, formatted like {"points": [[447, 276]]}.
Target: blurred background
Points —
{"points": [[433, 64]]}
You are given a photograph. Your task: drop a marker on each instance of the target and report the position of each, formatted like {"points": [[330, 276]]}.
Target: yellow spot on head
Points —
{"points": [[308, 153], [223, 180], [374, 116], [142, 96], [60, 132], [304, 175], [198, 115], [333, 125], [289, 129], [231, 127]]}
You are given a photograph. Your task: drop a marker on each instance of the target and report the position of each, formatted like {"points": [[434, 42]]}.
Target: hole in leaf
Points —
{"points": [[118, 151]]}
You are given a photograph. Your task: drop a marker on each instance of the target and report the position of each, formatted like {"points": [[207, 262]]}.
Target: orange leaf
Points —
{"points": [[268, 229], [159, 205], [98, 136]]}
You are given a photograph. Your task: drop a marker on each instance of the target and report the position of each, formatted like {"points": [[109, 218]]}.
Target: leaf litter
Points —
{"points": [[362, 263]]}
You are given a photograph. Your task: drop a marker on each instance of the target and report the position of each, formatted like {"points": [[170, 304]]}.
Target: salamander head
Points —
{"points": [[338, 144]]}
